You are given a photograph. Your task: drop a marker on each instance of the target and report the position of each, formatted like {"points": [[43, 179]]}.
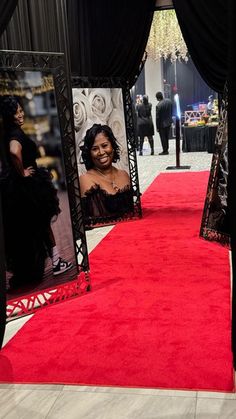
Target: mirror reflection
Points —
{"points": [[37, 229], [101, 142]]}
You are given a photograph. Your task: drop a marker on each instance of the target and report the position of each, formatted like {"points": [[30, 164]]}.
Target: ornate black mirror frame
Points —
{"points": [[119, 83], [54, 63]]}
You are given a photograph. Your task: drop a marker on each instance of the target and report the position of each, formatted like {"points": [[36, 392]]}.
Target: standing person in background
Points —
{"points": [[210, 105], [136, 140], [145, 124], [163, 121]]}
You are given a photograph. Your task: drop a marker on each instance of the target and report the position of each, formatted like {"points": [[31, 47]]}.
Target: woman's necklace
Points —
{"points": [[112, 182]]}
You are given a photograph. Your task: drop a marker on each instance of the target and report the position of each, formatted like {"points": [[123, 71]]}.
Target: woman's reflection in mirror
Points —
{"points": [[106, 190], [30, 203]]}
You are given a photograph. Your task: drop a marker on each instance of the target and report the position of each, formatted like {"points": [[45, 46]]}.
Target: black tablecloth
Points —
{"points": [[199, 138], [210, 137]]}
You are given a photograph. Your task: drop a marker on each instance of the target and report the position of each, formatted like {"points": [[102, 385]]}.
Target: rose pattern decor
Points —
{"points": [[99, 106]]}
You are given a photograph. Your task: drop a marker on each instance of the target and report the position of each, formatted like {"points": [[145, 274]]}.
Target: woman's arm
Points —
{"points": [[16, 157]]}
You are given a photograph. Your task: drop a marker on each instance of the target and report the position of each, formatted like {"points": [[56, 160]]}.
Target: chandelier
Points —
{"points": [[165, 38]]}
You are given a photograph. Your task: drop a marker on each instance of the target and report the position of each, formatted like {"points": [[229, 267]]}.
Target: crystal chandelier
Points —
{"points": [[165, 38]]}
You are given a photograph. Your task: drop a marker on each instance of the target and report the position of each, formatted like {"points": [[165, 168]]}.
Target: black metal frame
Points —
{"points": [[215, 219], [113, 82], [54, 63]]}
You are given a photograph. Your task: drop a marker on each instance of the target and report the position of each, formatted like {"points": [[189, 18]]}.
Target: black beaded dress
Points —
{"points": [[29, 206]]}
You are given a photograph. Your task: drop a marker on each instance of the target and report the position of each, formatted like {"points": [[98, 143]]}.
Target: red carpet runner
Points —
{"points": [[159, 312]]}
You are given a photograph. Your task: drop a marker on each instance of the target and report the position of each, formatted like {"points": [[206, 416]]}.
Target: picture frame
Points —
{"points": [[106, 102], [16, 68]]}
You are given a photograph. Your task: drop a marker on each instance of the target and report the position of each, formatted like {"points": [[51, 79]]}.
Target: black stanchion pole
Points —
{"points": [[177, 148], [177, 142]]}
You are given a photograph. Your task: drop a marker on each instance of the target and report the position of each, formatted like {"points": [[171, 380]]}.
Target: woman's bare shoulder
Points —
{"points": [[123, 174], [86, 182]]}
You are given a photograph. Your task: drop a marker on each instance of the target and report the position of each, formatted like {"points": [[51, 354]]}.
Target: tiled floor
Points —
{"points": [[79, 402]]}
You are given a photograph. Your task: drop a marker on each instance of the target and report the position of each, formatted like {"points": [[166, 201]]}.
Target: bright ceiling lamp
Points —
{"points": [[165, 38]]}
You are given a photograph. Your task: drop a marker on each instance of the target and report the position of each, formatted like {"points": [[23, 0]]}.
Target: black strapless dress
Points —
{"points": [[29, 206], [100, 207]]}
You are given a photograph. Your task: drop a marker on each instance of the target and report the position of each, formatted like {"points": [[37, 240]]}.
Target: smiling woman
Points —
{"points": [[106, 190]]}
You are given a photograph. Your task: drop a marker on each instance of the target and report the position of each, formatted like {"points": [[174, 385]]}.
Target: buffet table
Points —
{"points": [[199, 138]]}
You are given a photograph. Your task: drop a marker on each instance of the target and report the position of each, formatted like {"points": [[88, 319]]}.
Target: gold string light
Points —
{"points": [[165, 38]]}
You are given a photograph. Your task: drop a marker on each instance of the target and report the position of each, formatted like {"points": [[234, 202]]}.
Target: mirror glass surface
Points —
{"points": [[38, 197], [102, 155]]}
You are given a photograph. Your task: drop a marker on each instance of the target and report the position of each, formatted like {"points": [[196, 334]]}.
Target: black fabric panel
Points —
{"points": [[191, 87], [79, 37], [108, 38], [204, 28], [36, 26], [7, 8]]}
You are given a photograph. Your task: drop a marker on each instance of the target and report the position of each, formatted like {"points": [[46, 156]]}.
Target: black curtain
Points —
{"points": [[191, 87], [7, 8], [204, 28], [107, 38], [37, 26]]}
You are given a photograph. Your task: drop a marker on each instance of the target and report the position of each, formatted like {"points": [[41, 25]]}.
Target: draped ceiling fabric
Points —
{"points": [[107, 38], [209, 32]]}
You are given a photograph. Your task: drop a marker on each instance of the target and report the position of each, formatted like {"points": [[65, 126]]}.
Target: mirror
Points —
{"points": [[215, 219], [105, 147], [45, 244]]}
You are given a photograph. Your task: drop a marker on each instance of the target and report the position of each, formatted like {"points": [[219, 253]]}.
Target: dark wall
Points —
{"points": [[190, 86]]}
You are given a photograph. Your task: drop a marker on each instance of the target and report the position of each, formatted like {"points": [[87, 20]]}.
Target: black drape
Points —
{"points": [[36, 26], [107, 38], [191, 87], [7, 8], [204, 28]]}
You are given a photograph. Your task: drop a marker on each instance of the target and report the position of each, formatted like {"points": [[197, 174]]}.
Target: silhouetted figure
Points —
{"points": [[145, 124], [163, 121]]}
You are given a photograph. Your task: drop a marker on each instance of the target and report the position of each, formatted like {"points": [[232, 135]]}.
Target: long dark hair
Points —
{"points": [[8, 108], [89, 141]]}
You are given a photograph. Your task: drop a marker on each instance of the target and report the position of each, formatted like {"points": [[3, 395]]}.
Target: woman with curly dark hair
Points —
{"points": [[30, 202], [105, 189]]}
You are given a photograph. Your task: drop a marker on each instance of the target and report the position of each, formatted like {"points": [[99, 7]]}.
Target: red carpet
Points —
{"points": [[159, 312]]}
